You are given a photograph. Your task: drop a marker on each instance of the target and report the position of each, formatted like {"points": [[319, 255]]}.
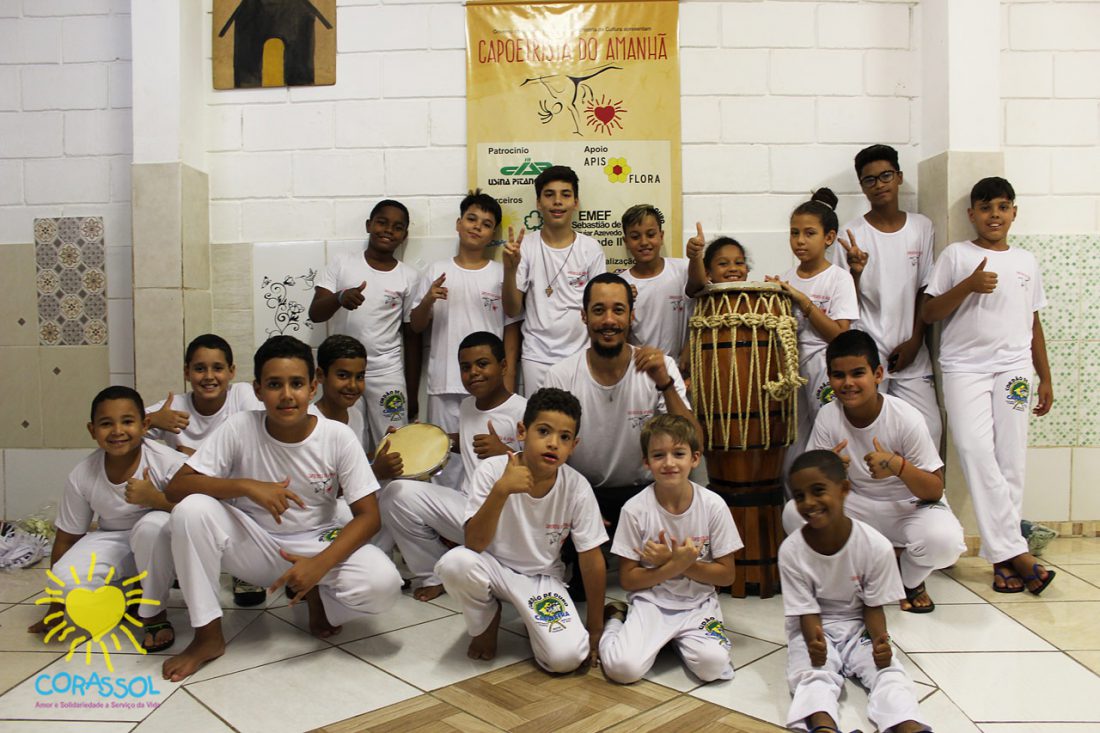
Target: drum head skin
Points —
{"points": [[745, 287], [424, 449]]}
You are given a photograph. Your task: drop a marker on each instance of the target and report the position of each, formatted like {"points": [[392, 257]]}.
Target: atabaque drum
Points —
{"points": [[744, 387]]}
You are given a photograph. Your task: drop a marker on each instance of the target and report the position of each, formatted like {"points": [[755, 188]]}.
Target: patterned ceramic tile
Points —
{"points": [[1088, 414], [71, 281], [1059, 426], [1060, 263], [1090, 287]]}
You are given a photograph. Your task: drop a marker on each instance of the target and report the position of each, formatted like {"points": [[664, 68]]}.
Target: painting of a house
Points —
{"points": [[271, 43]]}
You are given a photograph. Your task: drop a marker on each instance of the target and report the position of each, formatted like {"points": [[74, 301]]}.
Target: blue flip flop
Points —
{"points": [[1000, 573], [1035, 576]]}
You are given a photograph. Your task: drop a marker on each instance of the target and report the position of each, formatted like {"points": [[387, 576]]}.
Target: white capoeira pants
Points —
{"points": [[891, 696], [812, 396], [146, 547], [558, 636], [443, 412], [208, 534], [920, 392], [418, 514], [929, 533], [384, 405], [988, 415], [382, 539], [628, 649], [534, 372]]}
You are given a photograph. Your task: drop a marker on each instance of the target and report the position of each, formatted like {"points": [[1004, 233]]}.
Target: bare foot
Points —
{"points": [[318, 620], [484, 645], [208, 645], [428, 592], [916, 599], [42, 626]]}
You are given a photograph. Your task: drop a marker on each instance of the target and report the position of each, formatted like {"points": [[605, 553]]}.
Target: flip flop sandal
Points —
{"points": [[153, 629], [1000, 573], [1035, 576], [911, 594]]}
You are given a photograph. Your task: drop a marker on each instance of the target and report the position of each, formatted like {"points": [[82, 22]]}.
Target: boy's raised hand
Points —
{"points": [[511, 254], [881, 651], [274, 497], [697, 244], [685, 554], [352, 298], [517, 478], [168, 419], [387, 464], [141, 490], [656, 553], [878, 461], [839, 449], [817, 648], [981, 281], [303, 575], [857, 258], [437, 291], [489, 444]]}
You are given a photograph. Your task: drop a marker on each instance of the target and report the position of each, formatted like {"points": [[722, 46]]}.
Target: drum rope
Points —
{"points": [[771, 313]]}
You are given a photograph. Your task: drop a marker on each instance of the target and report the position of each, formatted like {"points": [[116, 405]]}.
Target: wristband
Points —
{"points": [[898, 472], [671, 382], [340, 297]]}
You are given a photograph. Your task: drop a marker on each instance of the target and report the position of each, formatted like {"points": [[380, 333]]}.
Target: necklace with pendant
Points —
{"points": [[550, 288]]}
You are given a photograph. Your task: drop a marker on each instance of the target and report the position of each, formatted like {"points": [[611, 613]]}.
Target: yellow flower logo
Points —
{"points": [[616, 170]]}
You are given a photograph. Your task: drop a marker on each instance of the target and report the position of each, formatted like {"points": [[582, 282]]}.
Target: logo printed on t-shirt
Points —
{"points": [[914, 257], [677, 303], [490, 301], [1017, 392], [393, 299], [1023, 278], [638, 418], [321, 483], [577, 279], [555, 533], [550, 611]]}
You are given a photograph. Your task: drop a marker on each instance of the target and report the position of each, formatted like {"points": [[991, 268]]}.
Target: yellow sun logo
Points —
{"points": [[616, 170], [97, 612]]}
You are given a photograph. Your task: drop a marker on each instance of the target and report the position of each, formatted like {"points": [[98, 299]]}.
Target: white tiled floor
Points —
{"points": [[982, 662]]}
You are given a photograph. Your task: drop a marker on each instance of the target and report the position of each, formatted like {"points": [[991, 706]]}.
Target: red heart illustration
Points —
{"points": [[604, 114]]}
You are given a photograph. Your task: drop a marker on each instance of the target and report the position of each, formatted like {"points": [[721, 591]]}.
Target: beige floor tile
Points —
{"points": [[978, 577], [1087, 573], [1090, 659], [18, 666], [1066, 625], [1073, 551], [685, 714], [19, 586]]}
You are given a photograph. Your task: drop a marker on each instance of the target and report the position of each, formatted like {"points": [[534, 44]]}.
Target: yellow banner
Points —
{"points": [[594, 86]]}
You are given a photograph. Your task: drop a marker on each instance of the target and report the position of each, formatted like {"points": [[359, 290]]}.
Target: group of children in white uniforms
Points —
{"points": [[238, 514]]}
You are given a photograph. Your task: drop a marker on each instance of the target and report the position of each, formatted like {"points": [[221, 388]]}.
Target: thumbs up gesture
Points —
{"points": [[841, 450], [981, 281], [141, 490], [387, 463], [697, 244], [511, 254], [857, 258], [352, 298], [168, 419], [489, 444], [817, 647], [879, 461], [437, 291], [881, 651], [517, 478]]}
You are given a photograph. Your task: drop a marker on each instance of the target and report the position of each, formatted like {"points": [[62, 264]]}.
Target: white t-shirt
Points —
{"points": [[473, 304], [387, 303], [863, 573], [610, 453], [899, 427], [531, 531], [89, 492], [988, 333], [662, 309], [898, 266], [241, 397], [552, 326], [355, 419], [329, 458], [707, 521], [472, 421], [834, 292]]}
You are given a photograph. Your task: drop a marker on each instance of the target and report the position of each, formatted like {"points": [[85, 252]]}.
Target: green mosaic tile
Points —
{"points": [[1089, 318], [1059, 427], [1088, 410], [1060, 263]]}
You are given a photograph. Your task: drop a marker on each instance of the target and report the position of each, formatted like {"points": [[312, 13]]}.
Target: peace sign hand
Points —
{"points": [[857, 258]]}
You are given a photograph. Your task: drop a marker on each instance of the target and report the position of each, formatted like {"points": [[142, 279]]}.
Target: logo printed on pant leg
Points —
{"points": [[550, 611], [715, 629], [329, 535], [825, 394], [393, 405], [1017, 392]]}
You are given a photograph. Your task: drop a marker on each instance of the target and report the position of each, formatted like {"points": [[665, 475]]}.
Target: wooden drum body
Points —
{"points": [[744, 387]]}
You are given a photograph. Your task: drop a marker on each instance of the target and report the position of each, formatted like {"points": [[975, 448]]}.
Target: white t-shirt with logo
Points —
{"points": [[472, 421], [552, 326], [89, 493], [473, 304], [834, 292], [661, 309], [531, 531], [707, 521], [387, 303], [862, 573], [610, 453], [899, 427], [898, 266], [330, 457], [988, 333], [241, 397]]}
